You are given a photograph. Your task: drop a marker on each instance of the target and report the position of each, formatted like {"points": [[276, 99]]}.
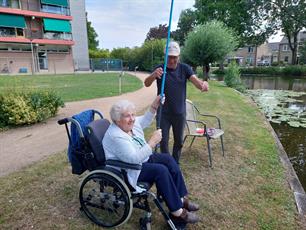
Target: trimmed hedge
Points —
{"points": [[21, 108], [294, 70]]}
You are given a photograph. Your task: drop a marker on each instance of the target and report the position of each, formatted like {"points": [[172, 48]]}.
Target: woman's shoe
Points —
{"points": [[191, 207], [185, 218]]}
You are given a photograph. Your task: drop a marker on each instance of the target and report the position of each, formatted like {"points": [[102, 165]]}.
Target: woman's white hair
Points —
{"points": [[119, 108]]}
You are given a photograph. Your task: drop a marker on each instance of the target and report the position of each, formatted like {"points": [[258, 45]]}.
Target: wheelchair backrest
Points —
{"points": [[79, 152], [95, 133]]}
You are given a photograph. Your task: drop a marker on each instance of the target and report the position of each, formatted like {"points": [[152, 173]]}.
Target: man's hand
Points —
{"points": [[158, 73], [156, 138], [153, 76], [201, 85], [205, 86]]}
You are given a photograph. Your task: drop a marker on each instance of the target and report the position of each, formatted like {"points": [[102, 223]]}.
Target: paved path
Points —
{"points": [[22, 146]]}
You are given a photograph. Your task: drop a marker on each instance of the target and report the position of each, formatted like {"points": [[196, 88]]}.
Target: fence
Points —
{"points": [[103, 64]]}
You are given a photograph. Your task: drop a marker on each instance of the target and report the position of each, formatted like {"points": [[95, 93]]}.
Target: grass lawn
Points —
{"points": [[246, 189], [73, 87]]}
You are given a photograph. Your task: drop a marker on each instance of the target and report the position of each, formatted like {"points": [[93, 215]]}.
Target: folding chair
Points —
{"points": [[198, 128]]}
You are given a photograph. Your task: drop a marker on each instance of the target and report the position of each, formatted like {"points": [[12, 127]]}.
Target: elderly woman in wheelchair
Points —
{"points": [[124, 141], [122, 168]]}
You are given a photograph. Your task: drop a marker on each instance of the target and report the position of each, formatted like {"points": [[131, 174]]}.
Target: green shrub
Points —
{"points": [[219, 72], [232, 77], [274, 64], [20, 108], [291, 70], [294, 70], [15, 110]]}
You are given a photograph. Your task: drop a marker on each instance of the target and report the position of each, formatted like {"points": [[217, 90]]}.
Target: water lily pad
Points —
{"points": [[275, 121], [281, 106], [303, 125], [294, 124]]}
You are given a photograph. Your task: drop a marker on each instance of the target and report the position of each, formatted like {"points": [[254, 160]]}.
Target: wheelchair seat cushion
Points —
{"points": [[96, 131]]}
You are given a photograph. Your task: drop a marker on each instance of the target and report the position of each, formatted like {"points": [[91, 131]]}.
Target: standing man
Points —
{"points": [[174, 108]]}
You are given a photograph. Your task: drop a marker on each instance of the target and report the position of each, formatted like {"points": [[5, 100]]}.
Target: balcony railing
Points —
{"points": [[33, 34], [58, 36], [10, 4], [55, 10], [35, 6]]}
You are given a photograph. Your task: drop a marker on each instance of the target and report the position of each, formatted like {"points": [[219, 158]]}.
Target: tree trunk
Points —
{"points": [[255, 61], [293, 45], [221, 66], [206, 69], [294, 50]]}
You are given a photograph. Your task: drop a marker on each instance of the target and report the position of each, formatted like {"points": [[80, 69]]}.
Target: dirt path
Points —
{"points": [[23, 146]]}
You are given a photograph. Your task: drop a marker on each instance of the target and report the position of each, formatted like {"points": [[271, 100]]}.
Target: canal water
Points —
{"points": [[292, 138]]}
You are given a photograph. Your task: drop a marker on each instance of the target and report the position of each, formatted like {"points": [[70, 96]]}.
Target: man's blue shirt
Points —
{"points": [[175, 88]]}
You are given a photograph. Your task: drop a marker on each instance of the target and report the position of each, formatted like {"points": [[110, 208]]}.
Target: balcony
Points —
{"points": [[35, 6], [57, 36], [10, 4], [55, 10]]}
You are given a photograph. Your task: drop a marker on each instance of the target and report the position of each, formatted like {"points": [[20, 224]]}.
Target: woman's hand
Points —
{"points": [[156, 103], [155, 139]]}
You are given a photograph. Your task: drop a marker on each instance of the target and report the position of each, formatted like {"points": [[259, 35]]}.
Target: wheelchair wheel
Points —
{"points": [[105, 199]]}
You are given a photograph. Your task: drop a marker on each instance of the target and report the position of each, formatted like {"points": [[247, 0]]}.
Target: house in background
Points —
{"points": [[250, 55], [267, 53], [36, 36], [285, 54]]}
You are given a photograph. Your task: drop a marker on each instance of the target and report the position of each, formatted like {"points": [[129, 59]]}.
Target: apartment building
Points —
{"points": [[36, 36]]}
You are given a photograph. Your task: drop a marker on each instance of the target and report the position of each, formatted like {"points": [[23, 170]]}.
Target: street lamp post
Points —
{"points": [[152, 55]]}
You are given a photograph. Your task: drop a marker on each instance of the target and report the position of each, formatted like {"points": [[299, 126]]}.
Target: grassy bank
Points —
{"points": [[73, 87], [246, 189]]}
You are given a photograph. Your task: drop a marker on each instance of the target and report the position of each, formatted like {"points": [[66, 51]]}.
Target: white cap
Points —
{"points": [[173, 49]]}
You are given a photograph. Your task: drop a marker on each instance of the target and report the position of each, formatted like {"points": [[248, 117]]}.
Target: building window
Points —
{"points": [[250, 49], [43, 60], [285, 47], [249, 61], [286, 59], [11, 32]]}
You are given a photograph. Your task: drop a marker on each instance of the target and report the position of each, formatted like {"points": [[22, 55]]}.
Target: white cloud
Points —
{"points": [[121, 23]]}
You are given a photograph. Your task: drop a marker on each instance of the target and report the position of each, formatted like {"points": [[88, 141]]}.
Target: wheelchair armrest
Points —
{"points": [[123, 165]]}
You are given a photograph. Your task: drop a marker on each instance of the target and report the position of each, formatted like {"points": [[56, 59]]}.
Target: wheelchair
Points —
{"points": [[105, 195]]}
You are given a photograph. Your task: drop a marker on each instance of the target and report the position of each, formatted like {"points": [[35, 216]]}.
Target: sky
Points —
{"points": [[125, 23]]}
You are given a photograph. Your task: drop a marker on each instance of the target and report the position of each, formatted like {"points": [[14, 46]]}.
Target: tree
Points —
{"points": [[158, 32], [209, 43], [247, 18], [151, 54], [99, 53], [186, 23], [303, 53], [121, 53], [93, 41], [291, 18]]}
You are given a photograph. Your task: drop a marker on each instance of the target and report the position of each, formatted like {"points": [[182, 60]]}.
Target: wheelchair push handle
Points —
{"points": [[63, 121]]}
